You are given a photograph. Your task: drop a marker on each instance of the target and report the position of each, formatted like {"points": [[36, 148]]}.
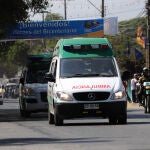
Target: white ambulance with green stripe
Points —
{"points": [[84, 81]]}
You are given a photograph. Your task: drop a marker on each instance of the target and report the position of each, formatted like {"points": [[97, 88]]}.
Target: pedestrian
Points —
{"points": [[134, 81], [126, 79], [144, 78]]}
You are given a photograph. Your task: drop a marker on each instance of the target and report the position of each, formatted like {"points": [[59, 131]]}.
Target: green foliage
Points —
{"points": [[14, 58], [53, 16], [14, 55], [17, 53], [12, 11]]}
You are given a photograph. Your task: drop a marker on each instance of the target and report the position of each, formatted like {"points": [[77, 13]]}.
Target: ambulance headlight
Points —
{"points": [[29, 92], [119, 95], [147, 87], [64, 96]]}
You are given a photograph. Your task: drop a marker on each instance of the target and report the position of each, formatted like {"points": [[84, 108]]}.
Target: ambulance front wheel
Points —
{"points": [[50, 118], [118, 120], [112, 120], [57, 120], [147, 104], [122, 119], [23, 111]]}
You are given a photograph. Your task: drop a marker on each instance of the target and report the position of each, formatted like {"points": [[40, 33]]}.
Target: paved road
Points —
{"points": [[32, 133]]}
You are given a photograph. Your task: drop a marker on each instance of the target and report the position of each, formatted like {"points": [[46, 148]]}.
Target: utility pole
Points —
{"points": [[65, 9], [148, 35], [44, 40], [103, 8]]}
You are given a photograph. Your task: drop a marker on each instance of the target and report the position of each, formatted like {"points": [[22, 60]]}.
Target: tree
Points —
{"points": [[18, 53], [13, 11], [53, 16], [15, 58]]}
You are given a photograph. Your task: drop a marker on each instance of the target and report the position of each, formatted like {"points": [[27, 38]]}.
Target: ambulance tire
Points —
{"points": [[122, 119], [1, 102], [23, 111], [50, 118], [112, 120], [57, 120], [147, 104]]}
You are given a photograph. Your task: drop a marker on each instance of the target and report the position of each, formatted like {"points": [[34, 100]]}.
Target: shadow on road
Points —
{"points": [[10, 115], [9, 112], [31, 141], [87, 123]]}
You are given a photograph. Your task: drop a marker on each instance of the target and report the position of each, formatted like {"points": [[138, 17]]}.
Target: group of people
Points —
{"points": [[136, 83]]}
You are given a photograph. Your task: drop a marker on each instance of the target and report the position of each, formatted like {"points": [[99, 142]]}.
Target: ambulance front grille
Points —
{"points": [[91, 96]]}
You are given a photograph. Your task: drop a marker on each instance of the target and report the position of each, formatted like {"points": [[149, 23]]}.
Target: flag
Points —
{"points": [[128, 48], [138, 54], [140, 40]]}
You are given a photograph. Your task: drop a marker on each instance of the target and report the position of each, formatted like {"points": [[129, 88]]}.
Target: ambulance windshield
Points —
{"points": [[87, 67]]}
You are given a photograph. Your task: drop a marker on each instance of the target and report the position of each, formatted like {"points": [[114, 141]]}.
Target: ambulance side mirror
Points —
{"points": [[49, 77], [21, 80]]}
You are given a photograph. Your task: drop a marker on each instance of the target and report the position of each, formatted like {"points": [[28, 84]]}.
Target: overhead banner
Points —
{"points": [[57, 29]]}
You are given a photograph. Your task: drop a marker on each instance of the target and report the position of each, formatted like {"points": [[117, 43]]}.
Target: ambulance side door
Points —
{"points": [[52, 83]]}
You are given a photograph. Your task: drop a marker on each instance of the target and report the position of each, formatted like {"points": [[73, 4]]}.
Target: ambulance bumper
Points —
{"points": [[80, 110]]}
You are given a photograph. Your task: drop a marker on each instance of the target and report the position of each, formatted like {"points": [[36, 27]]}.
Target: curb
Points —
{"points": [[133, 105]]}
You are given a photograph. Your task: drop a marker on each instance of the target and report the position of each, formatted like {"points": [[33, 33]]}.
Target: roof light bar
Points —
{"points": [[104, 46]]}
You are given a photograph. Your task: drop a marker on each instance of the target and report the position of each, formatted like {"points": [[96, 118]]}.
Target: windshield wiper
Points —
{"points": [[90, 75], [107, 75], [87, 75], [82, 75]]}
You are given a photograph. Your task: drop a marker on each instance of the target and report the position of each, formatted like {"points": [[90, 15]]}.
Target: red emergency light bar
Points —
{"points": [[85, 47], [104, 46]]}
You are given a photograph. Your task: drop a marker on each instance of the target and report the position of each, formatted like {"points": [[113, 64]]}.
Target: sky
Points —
{"points": [[90, 9]]}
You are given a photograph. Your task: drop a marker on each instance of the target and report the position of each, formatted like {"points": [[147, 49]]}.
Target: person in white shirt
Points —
{"points": [[134, 81]]}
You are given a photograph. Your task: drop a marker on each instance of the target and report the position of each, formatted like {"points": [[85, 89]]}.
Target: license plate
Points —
{"points": [[91, 106]]}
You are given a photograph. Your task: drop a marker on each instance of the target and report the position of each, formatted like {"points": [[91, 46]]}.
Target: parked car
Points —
{"points": [[11, 90]]}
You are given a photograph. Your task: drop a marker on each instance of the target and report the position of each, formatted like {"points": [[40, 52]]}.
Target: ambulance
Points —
{"points": [[84, 81], [33, 85]]}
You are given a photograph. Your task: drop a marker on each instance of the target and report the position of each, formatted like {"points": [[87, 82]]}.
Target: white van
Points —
{"points": [[84, 81]]}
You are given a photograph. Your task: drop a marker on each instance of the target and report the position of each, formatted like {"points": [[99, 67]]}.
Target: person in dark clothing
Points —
{"points": [[142, 79]]}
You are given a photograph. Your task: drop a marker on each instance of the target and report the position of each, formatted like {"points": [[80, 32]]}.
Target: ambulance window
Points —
{"points": [[107, 66], [87, 67]]}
